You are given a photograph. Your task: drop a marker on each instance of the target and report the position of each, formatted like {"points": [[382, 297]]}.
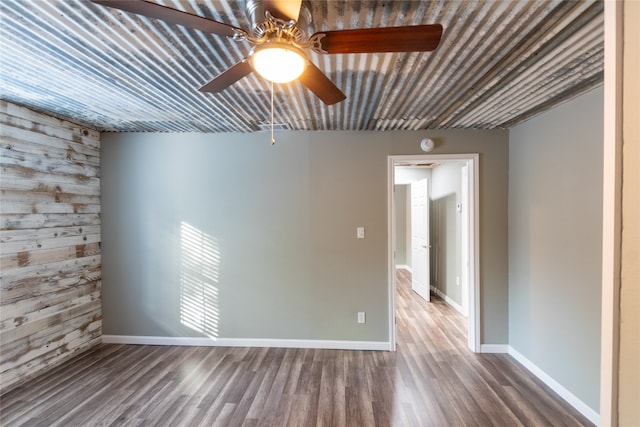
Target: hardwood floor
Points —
{"points": [[432, 380]]}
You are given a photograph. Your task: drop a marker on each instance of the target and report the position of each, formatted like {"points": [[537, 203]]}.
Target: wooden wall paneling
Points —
{"points": [[50, 280], [18, 116], [14, 260]]}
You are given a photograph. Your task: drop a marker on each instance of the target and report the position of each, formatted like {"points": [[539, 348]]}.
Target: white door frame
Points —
{"points": [[464, 244], [472, 159]]}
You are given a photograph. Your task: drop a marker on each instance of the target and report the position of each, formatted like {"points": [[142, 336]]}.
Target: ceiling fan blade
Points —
{"points": [[283, 9], [228, 77], [315, 80], [416, 38], [173, 16]]}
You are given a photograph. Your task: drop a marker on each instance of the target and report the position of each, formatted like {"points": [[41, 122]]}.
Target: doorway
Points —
{"points": [[469, 276]]}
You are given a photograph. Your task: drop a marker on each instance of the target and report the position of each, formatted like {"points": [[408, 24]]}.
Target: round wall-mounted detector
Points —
{"points": [[427, 144]]}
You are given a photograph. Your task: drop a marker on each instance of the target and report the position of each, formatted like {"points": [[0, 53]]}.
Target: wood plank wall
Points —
{"points": [[50, 279]]}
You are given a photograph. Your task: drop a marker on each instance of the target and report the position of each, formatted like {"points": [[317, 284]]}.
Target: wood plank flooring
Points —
{"points": [[432, 380]]}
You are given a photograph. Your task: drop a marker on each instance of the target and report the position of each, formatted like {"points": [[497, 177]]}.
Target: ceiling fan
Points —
{"points": [[280, 42]]}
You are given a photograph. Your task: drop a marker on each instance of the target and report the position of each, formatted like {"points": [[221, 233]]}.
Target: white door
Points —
{"points": [[420, 238]]}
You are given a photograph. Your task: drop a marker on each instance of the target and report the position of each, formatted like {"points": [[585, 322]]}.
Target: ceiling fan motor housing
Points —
{"points": [[263, 27]]}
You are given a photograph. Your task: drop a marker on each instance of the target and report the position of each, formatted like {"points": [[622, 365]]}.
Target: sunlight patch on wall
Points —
{"points": [[199, 275]]}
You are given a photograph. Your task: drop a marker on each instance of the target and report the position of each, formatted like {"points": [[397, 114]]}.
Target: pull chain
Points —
{"points": [[273, 140]]}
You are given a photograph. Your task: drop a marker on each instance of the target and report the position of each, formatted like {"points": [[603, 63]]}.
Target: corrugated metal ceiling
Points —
{"points": [[499, 63]]}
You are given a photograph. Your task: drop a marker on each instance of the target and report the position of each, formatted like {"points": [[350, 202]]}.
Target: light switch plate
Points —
{"points": [[361, 318], [360, 232]]}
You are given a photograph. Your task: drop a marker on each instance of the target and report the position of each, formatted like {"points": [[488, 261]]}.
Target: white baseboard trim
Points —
{"points": [[403, 267], [241, 342], [457, 307], [494, 348], [569, 397]]}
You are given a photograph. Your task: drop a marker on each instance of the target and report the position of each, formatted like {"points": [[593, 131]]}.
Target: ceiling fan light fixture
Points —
{"points": [[278, 62]]}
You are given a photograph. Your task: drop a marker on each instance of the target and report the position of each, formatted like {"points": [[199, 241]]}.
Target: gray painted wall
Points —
{"points": [[555, 249], [403, 257], [277, 225]]}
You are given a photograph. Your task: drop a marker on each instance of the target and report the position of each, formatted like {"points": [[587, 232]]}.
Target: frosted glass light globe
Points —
{"points": [[278, 62]]}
